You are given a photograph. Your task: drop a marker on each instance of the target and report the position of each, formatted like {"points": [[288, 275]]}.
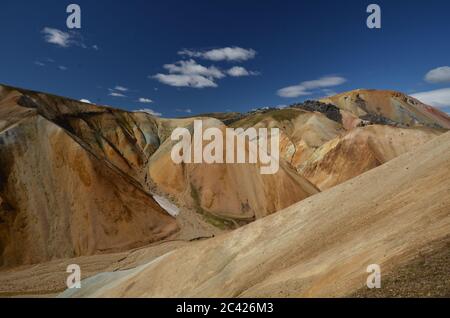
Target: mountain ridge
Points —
{"points": [[83, 181]]}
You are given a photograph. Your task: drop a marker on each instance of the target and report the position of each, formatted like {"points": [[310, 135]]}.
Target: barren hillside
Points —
{"points": [[97, 186], [92, 172], [318, 247]]}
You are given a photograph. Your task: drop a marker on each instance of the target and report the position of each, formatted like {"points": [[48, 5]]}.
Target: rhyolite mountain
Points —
{"points": [[321, 246], [79, 179], [82, 180]]}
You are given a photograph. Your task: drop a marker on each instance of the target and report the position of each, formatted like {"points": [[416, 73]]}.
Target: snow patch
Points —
{"points": [[170, 208]]}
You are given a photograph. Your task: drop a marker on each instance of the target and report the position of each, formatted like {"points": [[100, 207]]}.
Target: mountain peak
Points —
{"points": [[393, 105]]}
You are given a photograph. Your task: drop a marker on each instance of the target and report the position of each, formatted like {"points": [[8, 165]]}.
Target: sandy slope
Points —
{"points": [[426, 275], [47, 279], [318, 247]]}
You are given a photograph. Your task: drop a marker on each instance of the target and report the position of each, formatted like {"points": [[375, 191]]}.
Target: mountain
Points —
{"points": [[66, 190], [93, 172], [360, 150], [226, 194], [96, 186], [320, 247], [302, 131], [379, 105], [319, 141]]}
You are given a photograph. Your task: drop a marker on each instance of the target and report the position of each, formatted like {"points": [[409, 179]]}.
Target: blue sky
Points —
{"points": [[194, 56]]}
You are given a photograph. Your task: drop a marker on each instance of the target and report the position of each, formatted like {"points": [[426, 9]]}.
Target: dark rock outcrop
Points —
{"points": [[329, 110]]}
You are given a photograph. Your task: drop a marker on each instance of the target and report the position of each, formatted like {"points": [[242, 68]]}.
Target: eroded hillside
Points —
{"points": [[98, 184], [319, 247]]}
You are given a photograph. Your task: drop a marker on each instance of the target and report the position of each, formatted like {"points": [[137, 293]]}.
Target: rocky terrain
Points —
{"points": [[96, 186]]}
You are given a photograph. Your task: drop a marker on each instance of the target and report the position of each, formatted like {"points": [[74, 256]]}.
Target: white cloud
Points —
{"points": [[95, 47], [179, 80], [120, 88], [62, 68], [308, 87], [238, 71], [223, 54], [438, 75], [293, 91], [187, 110], [116, 94], [85, 101], [65, 39], [145, 100], [39, 63], [436, 98], [191, 67], [189, 74], [57, 37], [117, 91], [148, 111]]}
